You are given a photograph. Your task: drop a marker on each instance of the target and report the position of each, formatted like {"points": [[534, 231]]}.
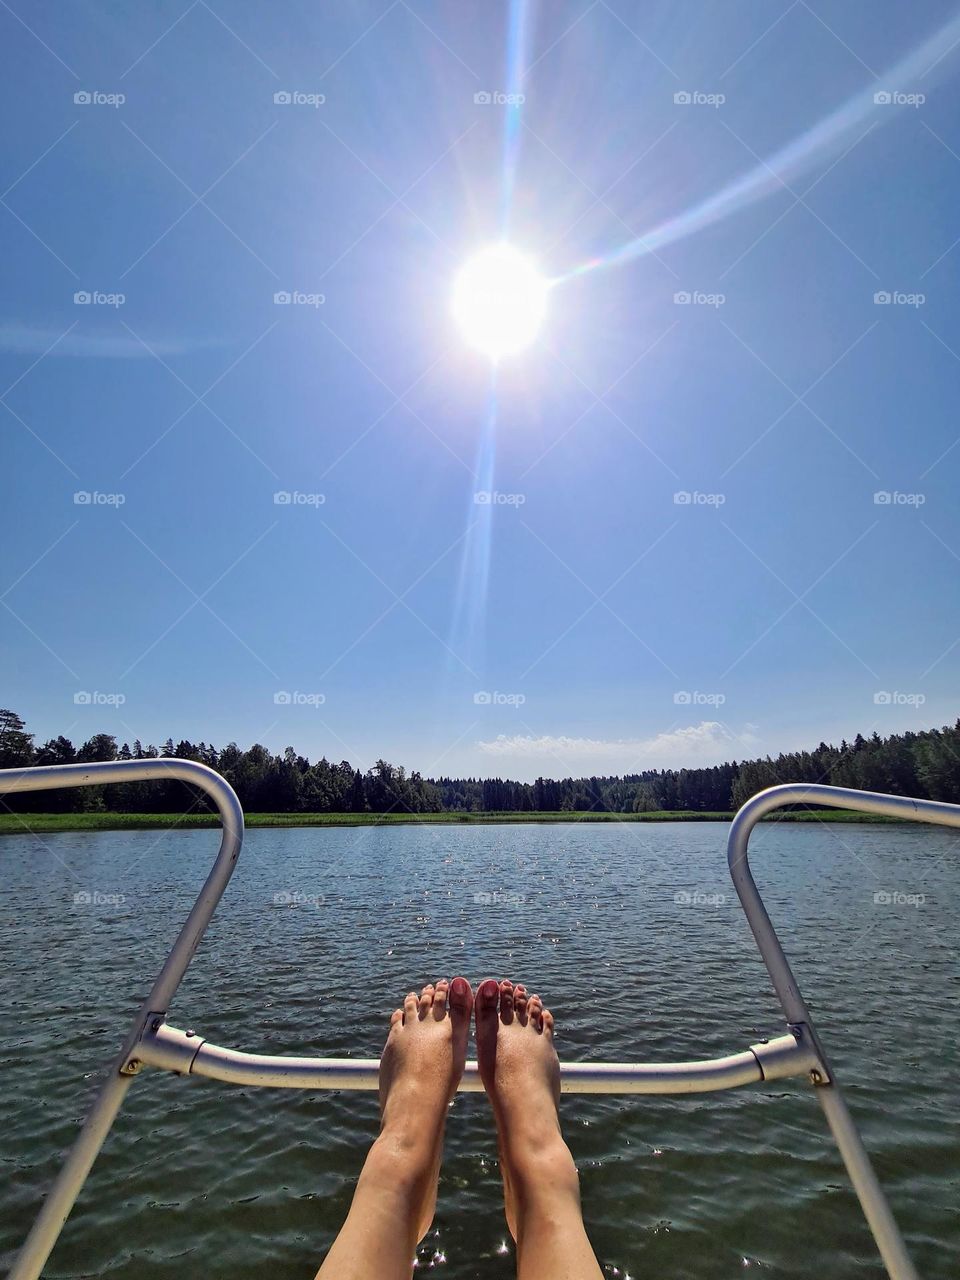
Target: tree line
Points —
{"points": [[925, 764]]}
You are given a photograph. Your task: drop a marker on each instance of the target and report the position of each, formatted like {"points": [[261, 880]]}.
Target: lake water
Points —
{"points": [[202, 1179]]}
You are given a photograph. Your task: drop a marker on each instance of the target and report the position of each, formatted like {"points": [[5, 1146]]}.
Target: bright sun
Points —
{"points": [[499, 300]]}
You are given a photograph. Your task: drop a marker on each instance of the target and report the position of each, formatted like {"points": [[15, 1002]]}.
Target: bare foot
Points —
{"points": [[521, 1074], [396, 1194], [420, 1069]]}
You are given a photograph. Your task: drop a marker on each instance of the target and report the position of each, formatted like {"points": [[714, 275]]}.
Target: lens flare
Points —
{"points": [[499, 301], [833, 135]]}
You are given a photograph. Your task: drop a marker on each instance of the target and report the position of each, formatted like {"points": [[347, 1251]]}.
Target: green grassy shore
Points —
{"points": [[49, 823]]}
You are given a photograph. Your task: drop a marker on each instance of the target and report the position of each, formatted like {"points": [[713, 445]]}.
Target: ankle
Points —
{"points": [[400, 1162], [525, 1130], [396, 1192], [412, 1115], [542, 1171]]}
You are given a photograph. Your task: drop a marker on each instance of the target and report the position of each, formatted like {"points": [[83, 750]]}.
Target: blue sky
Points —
{"points": [[586, 620]]}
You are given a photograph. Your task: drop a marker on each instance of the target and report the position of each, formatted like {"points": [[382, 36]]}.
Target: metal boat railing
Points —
{"points": [[152, 1042]]}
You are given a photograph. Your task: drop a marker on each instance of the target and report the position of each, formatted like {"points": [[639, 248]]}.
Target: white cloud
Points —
{"points": [[706, 743]]}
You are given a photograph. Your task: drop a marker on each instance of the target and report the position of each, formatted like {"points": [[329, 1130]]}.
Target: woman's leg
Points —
{"points": [[396, 1195], [521, 1074]]}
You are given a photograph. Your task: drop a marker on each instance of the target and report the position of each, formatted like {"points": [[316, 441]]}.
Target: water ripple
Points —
{"points": [[636, 940]]}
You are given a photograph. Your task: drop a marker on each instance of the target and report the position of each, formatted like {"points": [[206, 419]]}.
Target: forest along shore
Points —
{"points": [[50, 823], [289, 790]]}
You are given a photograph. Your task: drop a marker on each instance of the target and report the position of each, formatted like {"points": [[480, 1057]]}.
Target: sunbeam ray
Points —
{"points": [[467, 625], [467, 637], [789, 163], [516, 60]]}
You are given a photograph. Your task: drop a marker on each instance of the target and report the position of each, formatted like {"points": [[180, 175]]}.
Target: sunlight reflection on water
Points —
{"points": [[634, 937]]}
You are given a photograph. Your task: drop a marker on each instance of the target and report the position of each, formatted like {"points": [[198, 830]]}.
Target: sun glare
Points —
{"points": [[499, 301]]}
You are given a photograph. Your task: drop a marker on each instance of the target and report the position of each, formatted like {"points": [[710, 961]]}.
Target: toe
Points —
{"points": [[396, 1018], [461, 997], [487, 1022], [488, 993], [520, 1003], [535, 1012], [461, 1006], [410, 1003], [506, 1001], [426, 999], [548, 1022], [440, 999], [485, 1003]]}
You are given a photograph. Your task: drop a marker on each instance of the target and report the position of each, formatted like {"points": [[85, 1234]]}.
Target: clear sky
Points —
{"points": [[585, 620]]}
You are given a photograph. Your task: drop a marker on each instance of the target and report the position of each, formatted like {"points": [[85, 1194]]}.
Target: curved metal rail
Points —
{"points": [[847, 1137], [62, 1195], [189, 1054], [152, 1042]]}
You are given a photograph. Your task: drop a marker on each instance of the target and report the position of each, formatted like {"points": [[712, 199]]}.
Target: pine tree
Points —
{"points": [[16, 746]]}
